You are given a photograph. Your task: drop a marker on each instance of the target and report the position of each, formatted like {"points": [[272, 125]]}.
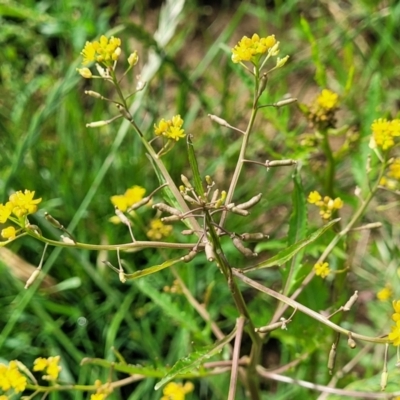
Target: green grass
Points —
{"points": [[47, 148]]}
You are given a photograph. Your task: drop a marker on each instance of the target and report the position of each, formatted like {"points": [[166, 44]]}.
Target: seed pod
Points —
{"points": [[384, 378], [121, 276], [186, 182], [214, 196], [122, 217], [248, 204], [272, 327], [187, 232], [140, 203], [244, 250], [189, 257], [285, 102], [32, 278], [166, 208], [93, 94], [171, 218], [218, 120], [239, 211], [124, 112], [351, 342], [209, 251], [67, 239], [332, 358], [189, 199], [263, 84], [351, 301], [254, 237]]}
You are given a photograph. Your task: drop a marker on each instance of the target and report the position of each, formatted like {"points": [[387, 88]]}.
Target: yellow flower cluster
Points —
{"points": [[394, 335], [250, 49], [18, 205], [130, 197], [326, 205], [328, 100], [322, 269], [171, 129], [384, 132], [392, 179], [177, 391], [158, 230], [11, 379], [49, 365], [103, 51], [384, 294], [321, 113]]}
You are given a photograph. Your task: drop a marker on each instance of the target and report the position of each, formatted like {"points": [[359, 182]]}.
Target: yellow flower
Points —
{"points": [[394, 335], [322, 269], [130, 197], [314, 197], [11, 378], [85, 72], [98, 396], [49, 365], [394, 169], [133, 58], [177, 391], [8, 233], [384, 294], [171, 129], [23, 203], [158, 230], [4, 397], [384, 131], [328, 100], [5, 212], [249, 49], [103, 51]]}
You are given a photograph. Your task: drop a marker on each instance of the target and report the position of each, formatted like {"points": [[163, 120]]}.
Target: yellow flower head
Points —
{"points": [[314, 197], [158, 230], [384, 132], [5, 212], [394, 169], [177, 391], [328, 100], [250, 49], [23, 203], [322, 269], [49, 365], [11, 378], [384, 294], [394, 335], [104, 51], [130, 197], [171, 129], [326, 205]]}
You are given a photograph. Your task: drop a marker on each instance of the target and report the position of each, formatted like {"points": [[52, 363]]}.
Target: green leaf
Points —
{"points": [[155, 268], [193, 360], [287, 254], [194, 166]]}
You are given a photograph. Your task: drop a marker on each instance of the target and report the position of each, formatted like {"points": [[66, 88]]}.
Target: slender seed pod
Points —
{"points": [[122, 217], [171, 218], [244, 250], [124, 112], [189, 199], [189, 257], [240, 211], [263, 84], [140, 203], [254, 237], [214, 196], [332, 358], [166, 208], [351, 301], [186, 182], [218, 120], [53, 221], [271, 327], [94, 94], [248, 204], [187, 232], [285, 102], [32, 278]]}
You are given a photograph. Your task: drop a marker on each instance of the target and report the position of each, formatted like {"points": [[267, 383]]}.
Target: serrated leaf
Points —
{"points": [[187, 364], [151, 270], [287, 254], [194, 166]]}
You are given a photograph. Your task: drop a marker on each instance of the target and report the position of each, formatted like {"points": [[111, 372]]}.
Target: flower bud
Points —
{"points": [[93, 94], [280, 62], [85, 72], [186, 182], [218, 120], [133, 58], [166, 208]]}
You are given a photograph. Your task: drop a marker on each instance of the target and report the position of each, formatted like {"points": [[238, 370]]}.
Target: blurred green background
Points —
{"points": [[81, 309]]}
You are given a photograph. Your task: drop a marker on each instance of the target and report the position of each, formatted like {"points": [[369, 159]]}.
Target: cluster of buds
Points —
{"points": [[326, 205], [321, 113], [211, 202]]}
